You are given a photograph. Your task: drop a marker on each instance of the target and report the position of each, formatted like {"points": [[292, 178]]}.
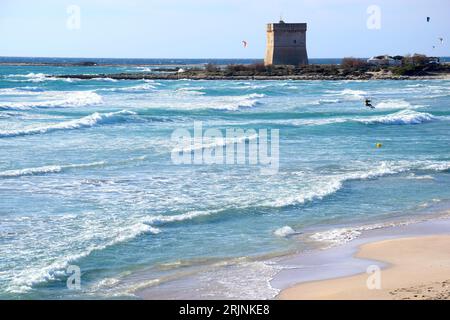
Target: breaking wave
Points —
{"points": [[242, 102], [157, 220], [56, 99], [401, 118], [25, 279], [20, 91], [191, 91], [46, 169], [332, 184], [31, 77], [404, 117], [85, 122], [147, 86], [104, 79], [322, 188]]}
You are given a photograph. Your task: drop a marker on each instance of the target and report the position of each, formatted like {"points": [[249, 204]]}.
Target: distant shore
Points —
{"points": [[349, 69], [419, 269], [206, 76]]}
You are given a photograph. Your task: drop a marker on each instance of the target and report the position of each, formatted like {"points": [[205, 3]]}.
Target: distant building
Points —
{"points": [[286, 44], [415, 59], [386, 60], [434, 60]]}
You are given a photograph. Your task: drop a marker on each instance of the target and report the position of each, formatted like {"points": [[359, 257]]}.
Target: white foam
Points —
{"points": [[312, 122], [188, 99], [32, 77], [144, 69], [413, 176], [284, 232], [350, 94], [30, 171], [45, 169], [180, 217], [394, 104], [85, 122], [320, 190], [441, 166], [56, 99], [328, 101], [339, 236], [215, 142], [191, 91], [244, 280], [142, 87], [328, 185], [104, 79], [240, 102], [400, 118], [17, 91], [23, 280]]}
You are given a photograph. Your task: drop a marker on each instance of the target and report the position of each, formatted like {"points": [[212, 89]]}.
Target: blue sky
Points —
{"points": [[216, 28]]}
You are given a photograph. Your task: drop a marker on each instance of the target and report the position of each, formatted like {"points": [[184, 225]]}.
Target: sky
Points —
{"points": [[216, 28]]}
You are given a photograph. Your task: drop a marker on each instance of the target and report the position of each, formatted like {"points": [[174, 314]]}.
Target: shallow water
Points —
{"points": [[86, 176]]}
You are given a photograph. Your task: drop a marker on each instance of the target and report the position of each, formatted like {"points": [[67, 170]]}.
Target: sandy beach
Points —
{"points": [[418, 269]]}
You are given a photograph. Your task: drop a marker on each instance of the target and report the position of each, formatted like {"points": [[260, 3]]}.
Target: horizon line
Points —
{"points": [[175, 58]]}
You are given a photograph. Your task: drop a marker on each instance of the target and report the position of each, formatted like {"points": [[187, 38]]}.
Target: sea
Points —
{"points": [[93, 206]]}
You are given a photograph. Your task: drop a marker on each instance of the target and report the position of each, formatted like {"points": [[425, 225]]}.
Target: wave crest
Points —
{"points": [[85, 122], [56, 99], [401, 118], [46, 169]]}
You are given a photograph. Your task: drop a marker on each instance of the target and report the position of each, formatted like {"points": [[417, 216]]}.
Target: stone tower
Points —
{"points": [[286, 44]]}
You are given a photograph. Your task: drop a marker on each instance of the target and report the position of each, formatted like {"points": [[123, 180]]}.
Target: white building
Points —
{"points": [[385, 61]]}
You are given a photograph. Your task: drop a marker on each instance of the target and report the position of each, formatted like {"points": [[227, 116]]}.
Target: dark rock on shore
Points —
{"points": [[206, 76]]}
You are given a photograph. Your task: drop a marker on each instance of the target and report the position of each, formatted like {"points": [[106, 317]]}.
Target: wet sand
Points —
{"points": [[418, 268]]}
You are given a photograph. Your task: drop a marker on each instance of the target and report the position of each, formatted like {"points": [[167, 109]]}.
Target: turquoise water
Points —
{"points": [[86, 176]]}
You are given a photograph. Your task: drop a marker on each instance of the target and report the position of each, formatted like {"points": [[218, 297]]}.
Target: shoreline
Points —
{"points": [[341, 272], [181, 76], [418, 269], [290, 269], [257, 72]]}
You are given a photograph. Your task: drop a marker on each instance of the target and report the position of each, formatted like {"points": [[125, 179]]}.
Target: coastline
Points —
{"points": [[343, 268], [182, 76], [282, 275], [412, 258], [256, 71], [418, 269]]}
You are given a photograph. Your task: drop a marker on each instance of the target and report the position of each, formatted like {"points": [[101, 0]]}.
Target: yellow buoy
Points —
{"points": [[378, 145]]}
